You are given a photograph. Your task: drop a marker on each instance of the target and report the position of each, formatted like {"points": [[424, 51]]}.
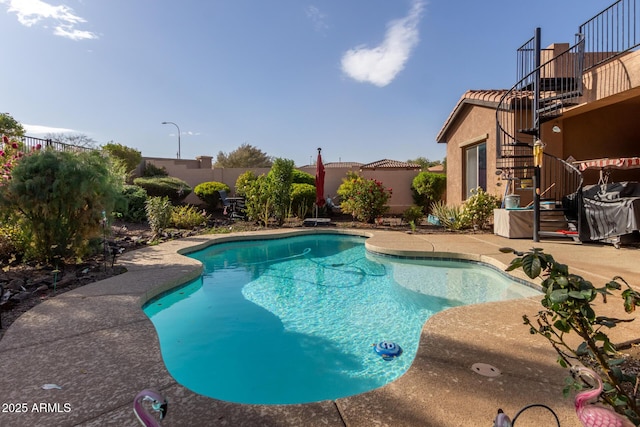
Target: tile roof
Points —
{"points": [[342, 165], [485, 98], [335, 165], [390, 164]]}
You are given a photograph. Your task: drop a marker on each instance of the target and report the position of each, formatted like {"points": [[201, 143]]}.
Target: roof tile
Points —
{"points": [[390, 164]]}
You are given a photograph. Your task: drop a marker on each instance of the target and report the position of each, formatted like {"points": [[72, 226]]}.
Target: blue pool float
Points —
{"points": [[387, 349]]}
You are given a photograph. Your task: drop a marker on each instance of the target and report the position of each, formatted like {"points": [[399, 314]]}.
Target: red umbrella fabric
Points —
{"points": [[319, 181]]}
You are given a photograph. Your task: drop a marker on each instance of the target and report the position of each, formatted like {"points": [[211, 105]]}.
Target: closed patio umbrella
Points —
{"points": [[319, 182]]}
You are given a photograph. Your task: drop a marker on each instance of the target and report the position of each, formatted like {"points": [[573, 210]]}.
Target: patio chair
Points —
{"points": [[331, 206], [233, 207]]}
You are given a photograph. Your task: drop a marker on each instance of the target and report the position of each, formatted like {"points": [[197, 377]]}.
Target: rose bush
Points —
{"points": [[365, 199]]}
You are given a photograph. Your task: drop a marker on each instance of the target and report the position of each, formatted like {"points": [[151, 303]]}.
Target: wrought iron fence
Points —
{"points": [[31, 143], [611, 33]]}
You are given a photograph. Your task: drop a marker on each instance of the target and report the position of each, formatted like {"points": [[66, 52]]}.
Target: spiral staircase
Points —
{"points": [[549, 83]]}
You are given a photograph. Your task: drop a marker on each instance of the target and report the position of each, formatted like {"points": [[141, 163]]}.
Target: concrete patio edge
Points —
{"points": [[99, 347]]}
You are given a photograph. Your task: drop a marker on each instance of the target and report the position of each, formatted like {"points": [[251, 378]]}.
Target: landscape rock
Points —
{"points": [[15, 285], [42, 288], [20, 296]]}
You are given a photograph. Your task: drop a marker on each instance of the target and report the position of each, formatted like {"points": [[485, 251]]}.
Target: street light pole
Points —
{"points": [[171, 123]]}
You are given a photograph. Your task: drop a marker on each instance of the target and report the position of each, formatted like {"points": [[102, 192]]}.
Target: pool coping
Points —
{"points": [[97, 344]]}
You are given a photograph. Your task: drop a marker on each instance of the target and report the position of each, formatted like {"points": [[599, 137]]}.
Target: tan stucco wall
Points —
{"points": [[613, 79], [399, 180], [474, 122], [190, 171]]}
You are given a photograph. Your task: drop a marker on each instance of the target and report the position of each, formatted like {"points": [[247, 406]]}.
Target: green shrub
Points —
{"points": [[208, 192], [60, 197], [130, 158], [301, 177], [302, 198], [478, 209], [364, 199], [259, 199], [187, 217], [159, 210], [243, 182], [449, 216], [165, 186], [12, 239], [413, 214], [281, 177], [152, 170], [428, 187], [133, 209], [567, 311]]}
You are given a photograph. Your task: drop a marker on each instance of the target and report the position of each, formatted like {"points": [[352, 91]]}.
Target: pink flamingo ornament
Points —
{"points": [[595, 415], [158, 404]]}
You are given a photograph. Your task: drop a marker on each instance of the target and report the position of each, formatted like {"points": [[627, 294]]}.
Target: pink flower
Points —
{"points": [[5, 139], [2, 153], [14, 145]]}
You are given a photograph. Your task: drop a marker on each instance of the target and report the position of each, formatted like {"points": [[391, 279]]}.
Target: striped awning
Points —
{"points": [[619, 163]]}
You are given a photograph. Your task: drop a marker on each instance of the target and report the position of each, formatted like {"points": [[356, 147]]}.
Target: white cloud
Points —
{"points": [[31, 12], [33, 130], [70, 33], [317, 17], [381, 64]]}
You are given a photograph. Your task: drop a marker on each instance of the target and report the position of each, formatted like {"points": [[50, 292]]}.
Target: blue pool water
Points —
{"points": [[294, 320]]}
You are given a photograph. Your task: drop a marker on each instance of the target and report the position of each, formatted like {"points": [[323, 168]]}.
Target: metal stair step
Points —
{"points": [[560, 96]]}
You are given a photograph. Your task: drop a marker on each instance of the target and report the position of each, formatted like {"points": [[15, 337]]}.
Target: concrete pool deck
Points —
{"points": [[97, 344]]}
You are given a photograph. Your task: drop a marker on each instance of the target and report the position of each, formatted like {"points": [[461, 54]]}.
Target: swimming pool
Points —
{"points": [[294, 320]]}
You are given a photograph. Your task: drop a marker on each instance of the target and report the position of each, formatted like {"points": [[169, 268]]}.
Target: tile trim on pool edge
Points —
{"points": [[464, 260]]}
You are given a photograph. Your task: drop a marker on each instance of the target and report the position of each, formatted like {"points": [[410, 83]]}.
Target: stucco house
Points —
{"points": [[579, 102]]}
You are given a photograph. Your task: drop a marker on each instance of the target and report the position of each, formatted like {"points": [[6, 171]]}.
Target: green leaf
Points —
{"points": [[620, 400], [616, 362], [600, 336], [617, 372], [559, 295], [577, 295], [562, 281], [609, 348], [531, 265], [582, 349], [515, 263], [630, 304], [613, 285], [562, 269], [588, 312], [562, 325]]}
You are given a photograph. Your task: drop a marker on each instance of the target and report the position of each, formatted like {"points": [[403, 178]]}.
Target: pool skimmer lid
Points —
{"points": [[485, 370]]}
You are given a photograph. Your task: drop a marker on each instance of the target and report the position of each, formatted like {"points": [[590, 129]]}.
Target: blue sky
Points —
{"points": [[363, 79]]}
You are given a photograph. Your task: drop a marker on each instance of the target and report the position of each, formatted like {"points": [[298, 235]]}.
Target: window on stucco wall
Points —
{"points": [[476, 168]]}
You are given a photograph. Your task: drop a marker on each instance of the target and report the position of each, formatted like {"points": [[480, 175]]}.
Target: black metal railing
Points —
{"points": [[31, 143], [541, 94], [558, 178], [611, 33]]}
